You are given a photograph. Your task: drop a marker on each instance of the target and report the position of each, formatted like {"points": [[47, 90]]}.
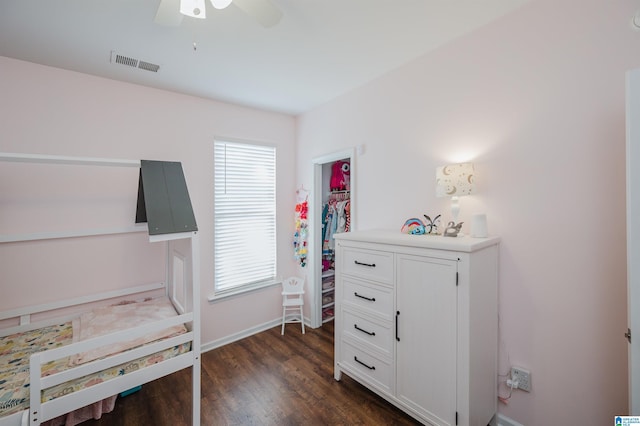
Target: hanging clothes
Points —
{"points": [[347, 212], [341, 213], [328, 220], [335, 219], [301, 227]]}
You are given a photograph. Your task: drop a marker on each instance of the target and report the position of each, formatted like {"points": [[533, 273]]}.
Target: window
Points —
{"points": [[245, 216]]}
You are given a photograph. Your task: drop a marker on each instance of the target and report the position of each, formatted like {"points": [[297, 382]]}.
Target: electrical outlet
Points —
{"points": [[523, 377]]}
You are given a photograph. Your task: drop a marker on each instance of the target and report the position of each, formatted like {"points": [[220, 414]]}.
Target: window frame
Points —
{"points": [[272, 279]]}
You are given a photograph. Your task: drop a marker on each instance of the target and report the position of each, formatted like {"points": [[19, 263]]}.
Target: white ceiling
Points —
{"points": [[318, 51]]}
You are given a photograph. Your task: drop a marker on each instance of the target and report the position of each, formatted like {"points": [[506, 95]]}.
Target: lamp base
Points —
{"points": [[455, 208]]}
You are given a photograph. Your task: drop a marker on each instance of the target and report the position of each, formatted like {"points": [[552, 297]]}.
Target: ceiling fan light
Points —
{"points": [[221, 4], [193, 8]]}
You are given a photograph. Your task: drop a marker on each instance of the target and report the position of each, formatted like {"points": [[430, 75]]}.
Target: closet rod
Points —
{"points": [[60, 159]]}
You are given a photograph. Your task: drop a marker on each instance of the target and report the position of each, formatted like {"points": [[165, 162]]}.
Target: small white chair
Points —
{"points": [[292, 301]]}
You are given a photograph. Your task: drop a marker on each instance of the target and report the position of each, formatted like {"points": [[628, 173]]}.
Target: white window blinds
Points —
{"points": [[245, 215]]}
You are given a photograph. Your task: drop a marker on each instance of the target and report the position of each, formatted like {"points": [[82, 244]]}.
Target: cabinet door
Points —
{"points": [[426, 305]]}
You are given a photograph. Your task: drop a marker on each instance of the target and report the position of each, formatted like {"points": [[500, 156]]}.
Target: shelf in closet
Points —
{"points": [[328, 310], [328, 273], [328, 314]]}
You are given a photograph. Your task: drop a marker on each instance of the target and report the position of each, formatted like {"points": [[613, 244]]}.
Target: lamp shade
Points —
{"points": [[455, 180]]}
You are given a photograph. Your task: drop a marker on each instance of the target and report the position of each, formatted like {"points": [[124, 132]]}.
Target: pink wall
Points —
{"points": [[51, 111], [537, 101]]}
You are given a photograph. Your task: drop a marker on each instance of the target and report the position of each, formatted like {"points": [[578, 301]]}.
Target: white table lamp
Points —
{"points": [[455, 180]]}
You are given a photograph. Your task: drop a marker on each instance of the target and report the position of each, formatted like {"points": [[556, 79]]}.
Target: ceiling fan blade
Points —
{"points": [[264, 11], [169, 13]]}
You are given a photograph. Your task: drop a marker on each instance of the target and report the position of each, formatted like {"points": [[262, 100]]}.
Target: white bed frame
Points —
{"points": [[181, 286]]}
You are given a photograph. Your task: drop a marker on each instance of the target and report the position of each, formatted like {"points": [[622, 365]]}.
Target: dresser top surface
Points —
{"points": [[462, 244]]}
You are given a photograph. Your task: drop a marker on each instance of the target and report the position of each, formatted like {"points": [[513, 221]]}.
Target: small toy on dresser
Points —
{"points": [[452, 229], [415, 226], [431, 226]]}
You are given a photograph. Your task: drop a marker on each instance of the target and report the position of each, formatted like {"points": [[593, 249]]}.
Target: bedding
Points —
{"points": [[16, 349], [108, 319]]}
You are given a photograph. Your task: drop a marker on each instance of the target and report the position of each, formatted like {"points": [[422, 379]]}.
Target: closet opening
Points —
{"points": [[333, 212]]}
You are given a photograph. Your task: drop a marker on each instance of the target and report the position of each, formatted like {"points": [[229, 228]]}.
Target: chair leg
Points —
{"points": [[284, 313], [302, 319]]}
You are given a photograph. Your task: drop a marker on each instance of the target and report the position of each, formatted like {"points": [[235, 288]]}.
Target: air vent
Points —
{"points": [[117, 58], [123, 60], [148, 66]]}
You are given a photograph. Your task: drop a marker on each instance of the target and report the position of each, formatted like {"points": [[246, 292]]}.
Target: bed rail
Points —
{"points": [[25, 313], [43, 411]]}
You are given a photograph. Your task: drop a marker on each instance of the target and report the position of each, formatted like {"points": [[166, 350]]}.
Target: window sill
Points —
{"points": [[229, 294]]}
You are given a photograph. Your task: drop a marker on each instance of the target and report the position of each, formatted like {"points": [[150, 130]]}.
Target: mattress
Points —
{"points": [[16, 349]]}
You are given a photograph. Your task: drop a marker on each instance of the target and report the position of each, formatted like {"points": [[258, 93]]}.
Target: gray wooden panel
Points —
{"points": [[163, 198]]}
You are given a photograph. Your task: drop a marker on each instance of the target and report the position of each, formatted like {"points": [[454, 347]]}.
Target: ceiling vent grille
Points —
{"points": [[117, 58], [148, 66]]}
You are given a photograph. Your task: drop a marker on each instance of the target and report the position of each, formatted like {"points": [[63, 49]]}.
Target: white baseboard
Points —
{"points": [[506, 421], [244, 333], [240, 335]]}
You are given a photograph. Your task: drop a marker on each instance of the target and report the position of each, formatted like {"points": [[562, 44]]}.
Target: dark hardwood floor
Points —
{"points": [[265, 379]]}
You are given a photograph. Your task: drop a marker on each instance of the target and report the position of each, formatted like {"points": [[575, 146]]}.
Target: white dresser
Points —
{"points": [[417, 322]]}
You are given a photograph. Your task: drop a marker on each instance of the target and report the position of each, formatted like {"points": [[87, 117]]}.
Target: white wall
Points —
{"points": [[537, 101], [51, 111]]}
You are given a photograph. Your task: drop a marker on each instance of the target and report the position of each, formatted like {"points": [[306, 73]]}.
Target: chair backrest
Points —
{"points": [[293, 285]]}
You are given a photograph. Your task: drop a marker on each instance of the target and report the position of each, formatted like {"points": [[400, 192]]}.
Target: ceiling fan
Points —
{"points": [[170, 12]]}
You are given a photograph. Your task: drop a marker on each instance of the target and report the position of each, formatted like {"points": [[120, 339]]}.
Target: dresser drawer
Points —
{"points": [[372, 298], [369, 264], [377, 334], [372, 369]]}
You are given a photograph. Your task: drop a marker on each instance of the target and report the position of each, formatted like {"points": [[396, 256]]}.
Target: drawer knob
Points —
{"points": [[370, 265]]}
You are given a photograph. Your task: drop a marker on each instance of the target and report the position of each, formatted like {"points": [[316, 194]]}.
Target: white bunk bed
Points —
{"points": [[181, 287]]}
